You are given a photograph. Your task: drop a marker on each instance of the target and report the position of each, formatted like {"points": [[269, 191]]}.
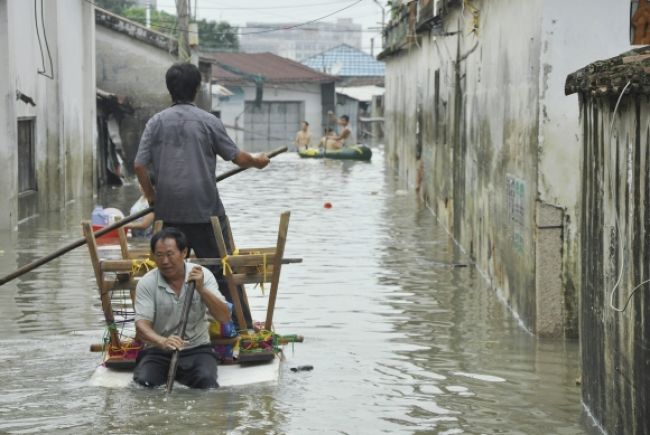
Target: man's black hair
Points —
{"points": [[169, 233], [306, 123], [183, 80], [346, 117]]}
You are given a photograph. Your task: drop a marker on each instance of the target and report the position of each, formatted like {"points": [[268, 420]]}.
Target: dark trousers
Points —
{"points": [[197, 367], [200, 239]]}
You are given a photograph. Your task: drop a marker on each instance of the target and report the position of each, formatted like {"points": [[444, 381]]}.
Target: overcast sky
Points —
{"points": [[364, 12]]}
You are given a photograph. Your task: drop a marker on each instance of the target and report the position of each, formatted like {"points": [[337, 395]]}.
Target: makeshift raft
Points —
{"points": [[247, 357], [354, 152]]}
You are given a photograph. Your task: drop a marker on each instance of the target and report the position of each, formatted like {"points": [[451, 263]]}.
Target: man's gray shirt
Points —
{"points": [[181, 144], [156, 302]]}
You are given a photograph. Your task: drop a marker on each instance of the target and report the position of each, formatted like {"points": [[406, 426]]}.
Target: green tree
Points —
{"points": [[217, 35], [212, 34], [160, 20], [116, 6]]}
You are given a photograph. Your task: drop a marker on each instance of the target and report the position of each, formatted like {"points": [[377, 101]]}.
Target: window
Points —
{"points": [[26, 156]]}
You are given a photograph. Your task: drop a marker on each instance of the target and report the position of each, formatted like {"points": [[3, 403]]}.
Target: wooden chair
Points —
{"points": [[253, 265], [116, 280]]}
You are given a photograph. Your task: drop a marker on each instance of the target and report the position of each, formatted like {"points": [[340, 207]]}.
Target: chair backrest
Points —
{"points": [[252, 265]]}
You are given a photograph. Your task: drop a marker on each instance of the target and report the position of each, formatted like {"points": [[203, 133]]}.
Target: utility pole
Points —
{"points": [[148, 14], [182, 10]]}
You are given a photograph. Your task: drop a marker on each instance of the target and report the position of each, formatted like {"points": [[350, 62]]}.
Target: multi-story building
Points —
{"points": [[298, 43]]}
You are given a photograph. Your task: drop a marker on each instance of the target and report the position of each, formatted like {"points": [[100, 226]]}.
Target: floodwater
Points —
{"points": [[401, 340]]}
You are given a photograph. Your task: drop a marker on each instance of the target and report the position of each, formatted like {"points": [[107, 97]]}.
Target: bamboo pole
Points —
{"points": [[82, 241]]}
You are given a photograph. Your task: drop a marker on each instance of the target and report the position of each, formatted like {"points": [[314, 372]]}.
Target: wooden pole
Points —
{"points": [[277, 264], [173, 364], [82, 241]]}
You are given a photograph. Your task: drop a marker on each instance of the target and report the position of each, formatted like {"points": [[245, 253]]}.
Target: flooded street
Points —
{"points": [[401, 340]]}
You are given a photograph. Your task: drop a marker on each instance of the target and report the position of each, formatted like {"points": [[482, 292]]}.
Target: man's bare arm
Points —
{"points": [[143, 177], [146, 333], [246, 160]]}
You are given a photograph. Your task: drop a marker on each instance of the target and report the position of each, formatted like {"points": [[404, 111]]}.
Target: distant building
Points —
{"points": [[300, 42], [47, 106], [358, 74], [353, 66], [143, 3], [271, 95]]}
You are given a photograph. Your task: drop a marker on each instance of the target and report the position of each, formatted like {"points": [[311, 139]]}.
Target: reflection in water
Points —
{"points": [[401, 340]]}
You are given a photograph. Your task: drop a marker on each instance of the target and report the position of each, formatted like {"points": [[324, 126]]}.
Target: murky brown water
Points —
{"points": [[401, 342]]}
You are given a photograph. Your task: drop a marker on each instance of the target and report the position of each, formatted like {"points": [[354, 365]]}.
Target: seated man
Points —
{"points": [[327, 140], [338, 141], [159, 300]]}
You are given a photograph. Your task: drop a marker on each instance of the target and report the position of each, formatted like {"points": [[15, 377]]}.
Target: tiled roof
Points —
{"points": [[346, 61], [273, 68], [611, 76]]}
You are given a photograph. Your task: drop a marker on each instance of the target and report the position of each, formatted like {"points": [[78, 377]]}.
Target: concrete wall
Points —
{"points": [[64, 114], [615, 254], [499, 141], [232, 111], [136, 69], [567, 45]]}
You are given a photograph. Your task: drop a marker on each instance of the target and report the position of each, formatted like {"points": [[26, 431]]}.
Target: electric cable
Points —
{"points": [[617, 225], [261, 8], [273, 29], [42, 71]]}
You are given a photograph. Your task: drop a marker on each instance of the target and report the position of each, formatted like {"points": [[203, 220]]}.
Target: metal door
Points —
{"points": [[271, 125]]}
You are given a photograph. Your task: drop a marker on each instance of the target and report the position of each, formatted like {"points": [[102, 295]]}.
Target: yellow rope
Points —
{"points": [[264, 272], [227, 270], [137, 265]]}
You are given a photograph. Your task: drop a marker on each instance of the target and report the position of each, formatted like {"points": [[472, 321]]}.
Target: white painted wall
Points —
{"points": [[65, 106], [8, 176]]}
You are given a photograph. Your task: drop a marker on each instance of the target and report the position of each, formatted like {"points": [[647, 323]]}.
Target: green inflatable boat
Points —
{"points": [[354, 152]]}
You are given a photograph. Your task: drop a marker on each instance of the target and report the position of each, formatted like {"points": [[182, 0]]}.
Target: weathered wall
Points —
{"points": [[615, 253], [135, 69], [499, 141], [478, 101], [8, 176], [64, 114], [568, 43]]}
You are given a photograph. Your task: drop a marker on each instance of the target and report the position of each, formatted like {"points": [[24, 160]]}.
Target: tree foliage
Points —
{"points": [[212, 34], [160, 20], [116, 6]]}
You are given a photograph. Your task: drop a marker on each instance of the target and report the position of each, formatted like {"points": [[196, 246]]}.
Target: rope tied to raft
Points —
{"points": [[137, 265], [264, 271], [227, 270]]}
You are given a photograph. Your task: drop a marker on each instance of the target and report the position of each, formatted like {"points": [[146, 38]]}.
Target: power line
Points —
{"points": [[306, 22], [299, 26], [262, 8]]}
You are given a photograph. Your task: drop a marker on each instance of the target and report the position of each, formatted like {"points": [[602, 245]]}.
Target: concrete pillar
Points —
{"points": [[550, 297]]}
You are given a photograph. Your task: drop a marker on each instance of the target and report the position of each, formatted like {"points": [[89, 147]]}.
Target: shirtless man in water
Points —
{"points": [[338, 141], [303, 137]]}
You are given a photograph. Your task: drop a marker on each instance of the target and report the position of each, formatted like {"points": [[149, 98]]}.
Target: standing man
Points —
{"points": [[159, 299], [303, 137], [181, 145]]}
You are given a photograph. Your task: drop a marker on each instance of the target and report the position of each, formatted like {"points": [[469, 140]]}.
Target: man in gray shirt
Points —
{"points": [[159, 299], [181, 145]]}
